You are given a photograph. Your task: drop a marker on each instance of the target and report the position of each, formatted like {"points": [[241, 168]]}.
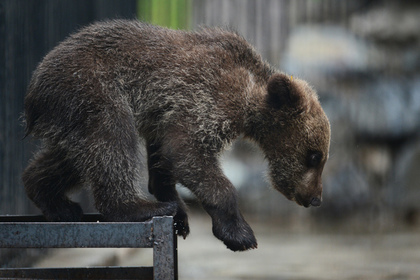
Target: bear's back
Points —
{"points": [[145, 68]]}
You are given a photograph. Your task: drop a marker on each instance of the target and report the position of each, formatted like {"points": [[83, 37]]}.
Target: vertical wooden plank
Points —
{"points": [[252, 21], [274, 46], [211, 13], [108, 9], [15, 77], [143, 10], [239, 19], [198, 15], [285, 24]]}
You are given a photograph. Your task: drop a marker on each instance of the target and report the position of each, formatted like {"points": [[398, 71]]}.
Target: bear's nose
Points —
{"points": [[316, 202]]}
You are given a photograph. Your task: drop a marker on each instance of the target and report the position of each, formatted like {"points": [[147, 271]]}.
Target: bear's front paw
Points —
{"points": [[236, 234]]}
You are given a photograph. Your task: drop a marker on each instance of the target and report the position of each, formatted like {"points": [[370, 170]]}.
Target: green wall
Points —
{"points": [[175, 14]]}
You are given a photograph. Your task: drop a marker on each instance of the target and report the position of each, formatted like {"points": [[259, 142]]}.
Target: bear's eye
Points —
{"points": [[314, 159]]}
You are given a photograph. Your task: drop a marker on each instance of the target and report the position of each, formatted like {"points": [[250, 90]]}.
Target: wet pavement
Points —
{"points": [[282, 254]]}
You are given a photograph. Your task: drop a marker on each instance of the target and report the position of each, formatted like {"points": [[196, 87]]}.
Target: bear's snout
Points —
{"points": [[316, 201], [307, 198], [309, 193]]}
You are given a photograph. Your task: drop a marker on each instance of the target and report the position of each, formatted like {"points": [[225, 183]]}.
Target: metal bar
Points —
{"points": [[17, 232], [70, 235], [164, 249], [78, 273]]}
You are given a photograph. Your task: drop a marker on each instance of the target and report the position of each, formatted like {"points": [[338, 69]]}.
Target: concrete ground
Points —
{"points": [[292, 253]]}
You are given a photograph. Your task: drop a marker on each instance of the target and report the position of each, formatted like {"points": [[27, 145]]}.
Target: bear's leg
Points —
{"points": [[47, 179], [201, 173], [113, 170], [162, 186], [219, 199]]}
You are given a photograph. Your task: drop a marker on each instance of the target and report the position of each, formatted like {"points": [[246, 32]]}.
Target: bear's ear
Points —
{"points": [[282, 93]]}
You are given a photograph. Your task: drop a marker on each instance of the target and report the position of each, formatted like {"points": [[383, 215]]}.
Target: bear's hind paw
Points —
{"points": [[181, 224], [63, 211]]}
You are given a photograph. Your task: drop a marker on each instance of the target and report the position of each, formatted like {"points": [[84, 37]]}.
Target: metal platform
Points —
{"points": [[92, 232]]}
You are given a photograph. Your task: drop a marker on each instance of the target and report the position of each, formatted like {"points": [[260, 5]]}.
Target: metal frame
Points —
{"points": [[35, 232]]}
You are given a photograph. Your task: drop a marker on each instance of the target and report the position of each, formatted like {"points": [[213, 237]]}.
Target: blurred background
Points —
{"points": [[362, 56]]}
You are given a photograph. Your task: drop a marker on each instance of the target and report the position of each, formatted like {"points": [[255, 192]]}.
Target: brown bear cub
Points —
{"points": [[187, 95]]}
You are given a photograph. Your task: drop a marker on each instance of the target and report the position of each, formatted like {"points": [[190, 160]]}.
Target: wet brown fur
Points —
{"points": [[188, 95]]}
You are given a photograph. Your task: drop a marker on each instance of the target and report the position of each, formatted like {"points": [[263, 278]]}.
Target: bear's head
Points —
{"points": [[295, 138]]}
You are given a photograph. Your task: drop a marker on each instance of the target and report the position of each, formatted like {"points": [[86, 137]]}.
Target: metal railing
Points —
{"points": [[35, 232]]}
